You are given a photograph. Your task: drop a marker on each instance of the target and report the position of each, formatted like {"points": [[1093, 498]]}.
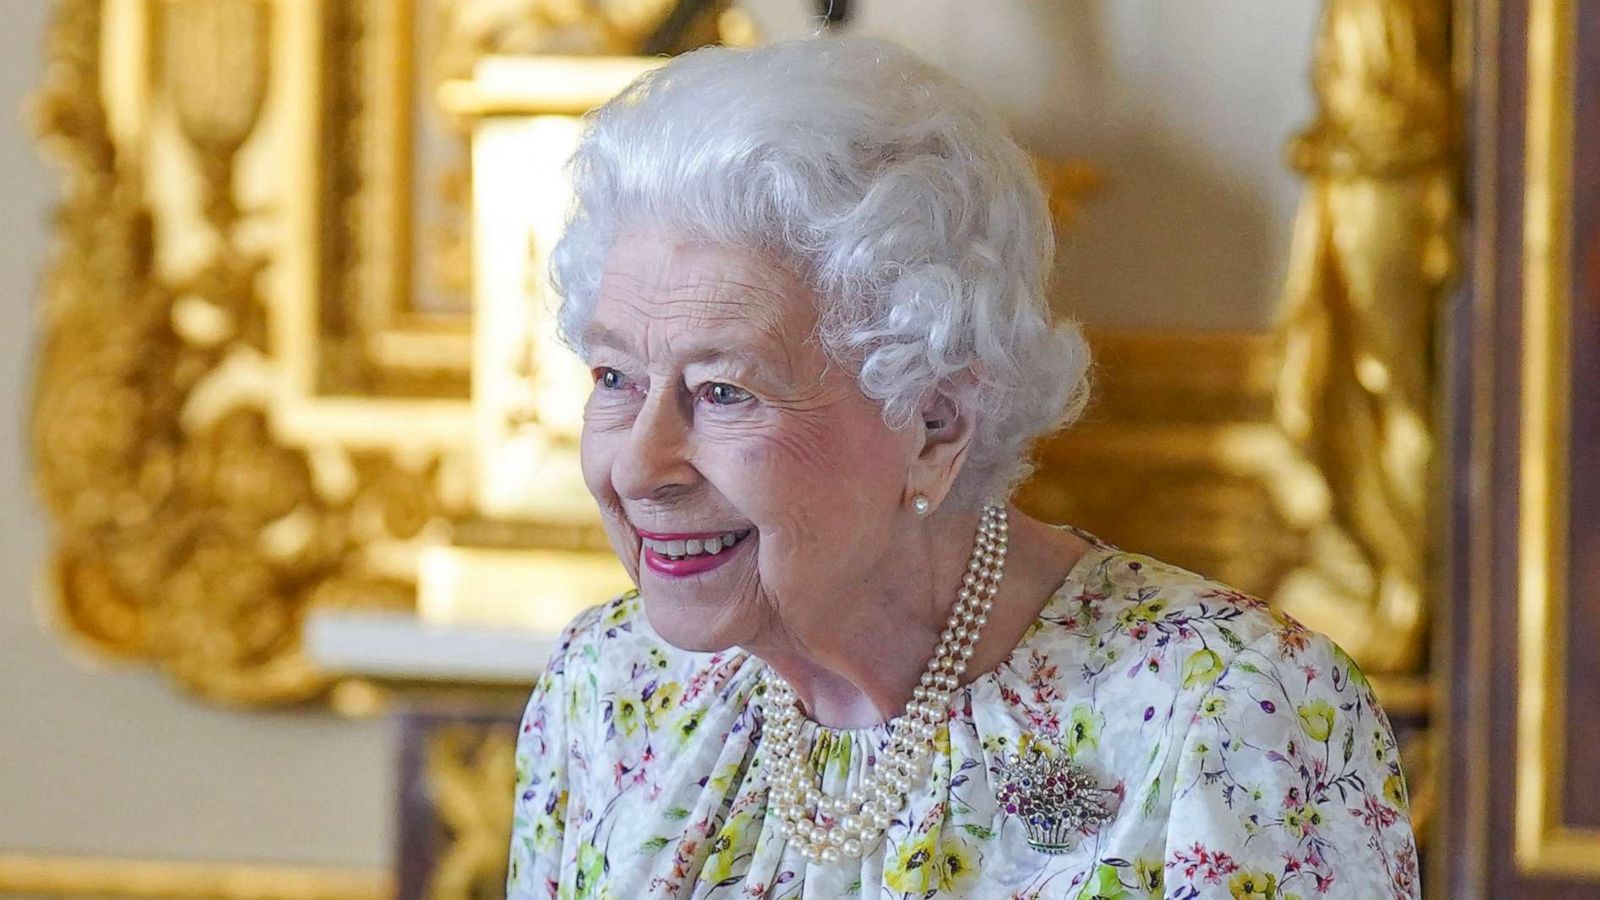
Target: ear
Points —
{"points": [[943, 431]]}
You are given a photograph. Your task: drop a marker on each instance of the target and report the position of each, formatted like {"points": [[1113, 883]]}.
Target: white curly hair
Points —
{"points": [[897, 192]]}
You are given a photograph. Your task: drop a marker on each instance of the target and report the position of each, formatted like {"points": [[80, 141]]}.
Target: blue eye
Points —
{"points": [[609, 378], [723, 394]]}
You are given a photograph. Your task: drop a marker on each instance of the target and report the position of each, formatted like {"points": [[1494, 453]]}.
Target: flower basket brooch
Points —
{"points": [[1057, 801]]}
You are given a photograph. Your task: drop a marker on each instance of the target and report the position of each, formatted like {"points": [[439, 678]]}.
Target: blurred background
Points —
{"points": [[292, 493]]}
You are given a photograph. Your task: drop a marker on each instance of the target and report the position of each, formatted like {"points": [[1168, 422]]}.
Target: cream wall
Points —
{"points": [[99, 760], [1186, 105]]}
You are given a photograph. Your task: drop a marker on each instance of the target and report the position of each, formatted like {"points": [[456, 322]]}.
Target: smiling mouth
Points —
{"points": [[684, 549]]}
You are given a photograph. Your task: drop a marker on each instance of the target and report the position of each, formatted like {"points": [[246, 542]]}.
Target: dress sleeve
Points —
{"points": [[1289, 783], [539, 811]]}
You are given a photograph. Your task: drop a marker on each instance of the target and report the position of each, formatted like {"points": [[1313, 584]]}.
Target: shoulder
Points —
{"points": [[613, 641], [1137, 643], [1154, 637], [600, 631], [1130, 603], [610, 665]]}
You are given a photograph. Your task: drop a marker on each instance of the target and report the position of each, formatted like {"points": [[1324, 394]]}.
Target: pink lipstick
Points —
{"points": [[687, 564]]}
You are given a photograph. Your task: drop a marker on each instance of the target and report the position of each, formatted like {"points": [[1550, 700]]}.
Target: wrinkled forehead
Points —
{"points": [[656, 283]]}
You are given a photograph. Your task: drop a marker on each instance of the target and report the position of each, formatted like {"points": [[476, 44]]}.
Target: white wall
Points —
{"points": [[98, 760], [1185, 105]]}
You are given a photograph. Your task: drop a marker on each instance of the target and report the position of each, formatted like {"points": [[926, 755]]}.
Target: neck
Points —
{"points": [[862, 672]]}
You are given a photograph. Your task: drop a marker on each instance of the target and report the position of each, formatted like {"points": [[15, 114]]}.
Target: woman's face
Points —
{"points": [[715, 413]]}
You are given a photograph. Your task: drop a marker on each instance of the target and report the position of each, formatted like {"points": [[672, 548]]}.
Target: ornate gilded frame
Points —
{"points": [[1545, 844]]}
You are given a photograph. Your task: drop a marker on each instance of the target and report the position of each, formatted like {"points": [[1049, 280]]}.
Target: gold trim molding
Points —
{"points": [[106, 878], [1545, 845]]}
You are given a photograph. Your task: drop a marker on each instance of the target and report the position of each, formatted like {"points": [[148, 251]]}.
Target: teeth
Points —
{"points": [[697, 546]]}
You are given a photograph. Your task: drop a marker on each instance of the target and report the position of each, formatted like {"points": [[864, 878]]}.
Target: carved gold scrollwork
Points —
{"points": [[470, 775], [188, 533]]}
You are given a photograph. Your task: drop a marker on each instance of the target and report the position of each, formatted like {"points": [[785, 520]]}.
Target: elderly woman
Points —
{"points": [[809, 281]]}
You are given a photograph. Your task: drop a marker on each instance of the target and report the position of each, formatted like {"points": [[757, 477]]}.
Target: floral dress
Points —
{"points": [[1227, 752]]}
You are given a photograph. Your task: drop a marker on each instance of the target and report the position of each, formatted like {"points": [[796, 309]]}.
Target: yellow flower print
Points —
{"points": [[1249, 885], [619, 612], [1213, 707], [684, 727], [724, 848], [1202, 667], [832, 755], [1083, 729], [1302, 820], [591, 867], [1316, 719], [957, 866], [627, 714], [721, 780], [912, 869], [548, 827], [1152, 876], [1148, 611], [921, 866], [1394, 791], [1293, 822], [662, 703]]}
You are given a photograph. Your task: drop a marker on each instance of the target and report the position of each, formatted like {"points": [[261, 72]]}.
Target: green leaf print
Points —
{"points": [[1106, 885], [1152, 797]]}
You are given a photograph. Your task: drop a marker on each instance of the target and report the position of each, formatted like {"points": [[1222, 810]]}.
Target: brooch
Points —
{"points": [[1057, 801]]}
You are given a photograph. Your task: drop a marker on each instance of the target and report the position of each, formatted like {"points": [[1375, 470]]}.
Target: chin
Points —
{"points": [[687, 628]]}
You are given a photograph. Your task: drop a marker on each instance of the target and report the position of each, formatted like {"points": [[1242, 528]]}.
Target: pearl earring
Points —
{"points": [[920, 504]]}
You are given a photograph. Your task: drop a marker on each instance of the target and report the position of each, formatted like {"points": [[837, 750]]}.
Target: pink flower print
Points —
{"points": [[1045, 720], [1375, 814], [1293, 639], [1211, 867]]}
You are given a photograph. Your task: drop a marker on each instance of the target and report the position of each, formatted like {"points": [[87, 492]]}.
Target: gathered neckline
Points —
{"points": [[1076, 576]]}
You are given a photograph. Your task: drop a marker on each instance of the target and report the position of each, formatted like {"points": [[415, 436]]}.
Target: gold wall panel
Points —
{"points": [[1545, 844]]}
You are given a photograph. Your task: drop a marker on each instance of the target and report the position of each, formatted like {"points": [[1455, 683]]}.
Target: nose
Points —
{"points": [[653, 463]]}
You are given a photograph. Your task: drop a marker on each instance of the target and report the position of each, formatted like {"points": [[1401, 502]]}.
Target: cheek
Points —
{"points": [[597, 448], [808, 477]]}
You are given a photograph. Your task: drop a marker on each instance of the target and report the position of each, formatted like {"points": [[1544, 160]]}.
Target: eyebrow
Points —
{"points": [[598, 335]]}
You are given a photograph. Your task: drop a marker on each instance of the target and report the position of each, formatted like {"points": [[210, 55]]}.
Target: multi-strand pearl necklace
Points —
{"points": [[830, 828]]}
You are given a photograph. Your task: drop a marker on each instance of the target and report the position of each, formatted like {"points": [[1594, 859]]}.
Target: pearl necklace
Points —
{"points": [[829, 828]]}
